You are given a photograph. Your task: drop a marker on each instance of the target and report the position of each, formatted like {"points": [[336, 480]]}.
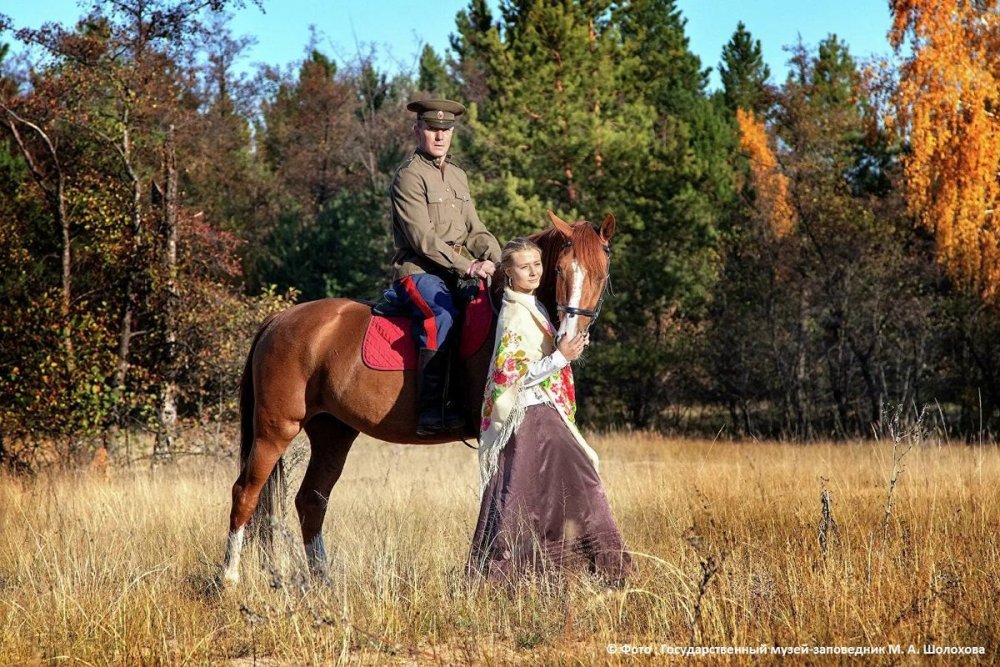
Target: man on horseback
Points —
{"points": [[439, 239]]}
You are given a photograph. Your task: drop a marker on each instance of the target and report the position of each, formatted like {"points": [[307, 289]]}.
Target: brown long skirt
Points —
{"points": [[546, 508]]}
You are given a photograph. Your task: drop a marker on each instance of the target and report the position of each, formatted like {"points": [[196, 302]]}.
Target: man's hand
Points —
{"points": [[482, 269]]}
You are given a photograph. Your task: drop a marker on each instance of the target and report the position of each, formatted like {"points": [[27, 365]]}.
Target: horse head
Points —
{"points": [[577, 259]]}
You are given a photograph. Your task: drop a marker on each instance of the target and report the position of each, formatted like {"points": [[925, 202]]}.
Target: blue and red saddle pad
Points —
{"points": [[389, 346]]}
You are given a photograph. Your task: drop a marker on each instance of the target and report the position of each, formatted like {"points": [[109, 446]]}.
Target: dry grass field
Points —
{"points": [[99, 570]]}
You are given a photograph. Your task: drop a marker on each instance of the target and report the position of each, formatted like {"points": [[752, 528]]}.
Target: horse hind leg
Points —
{"points": [[268, 448], [330, 441]]}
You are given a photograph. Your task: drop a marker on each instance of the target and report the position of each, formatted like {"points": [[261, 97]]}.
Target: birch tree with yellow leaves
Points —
{"points": [[948, 103], [769, 182]]}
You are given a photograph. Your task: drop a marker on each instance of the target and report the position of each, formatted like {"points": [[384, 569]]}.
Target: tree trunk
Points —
{"points": [[833, 344], [67, 275], [872, 388], [125, 331], [118, 410], [802, 427], [163, 449], [54, 187]]}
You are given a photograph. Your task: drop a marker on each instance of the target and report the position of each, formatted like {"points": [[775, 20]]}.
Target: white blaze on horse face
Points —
{"points": [[231, 564], [568, 325]]}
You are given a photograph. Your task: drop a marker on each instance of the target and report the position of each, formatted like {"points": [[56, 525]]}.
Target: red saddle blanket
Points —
{"points": [[389, 344]]}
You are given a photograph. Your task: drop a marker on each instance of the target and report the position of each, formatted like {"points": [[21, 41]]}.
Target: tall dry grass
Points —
{"points": [[727, 536]]}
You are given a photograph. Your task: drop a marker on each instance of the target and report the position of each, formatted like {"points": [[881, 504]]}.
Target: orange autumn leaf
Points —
{"points": [[770, 184], [948, 104]]}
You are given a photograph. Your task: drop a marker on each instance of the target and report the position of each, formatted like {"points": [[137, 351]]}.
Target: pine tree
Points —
{"points": [[744, 73], [732, 349], [432, 77], [676, 192], [476, 38], [551, 119]]}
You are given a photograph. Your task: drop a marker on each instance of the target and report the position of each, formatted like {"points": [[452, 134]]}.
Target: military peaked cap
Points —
{"points": [[438, 114]]}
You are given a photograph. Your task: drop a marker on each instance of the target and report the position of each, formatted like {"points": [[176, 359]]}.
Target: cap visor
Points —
{"points": [[440, 124]]}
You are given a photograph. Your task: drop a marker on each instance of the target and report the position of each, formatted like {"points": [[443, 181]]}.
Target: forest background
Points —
{"points": [[794, 260]]}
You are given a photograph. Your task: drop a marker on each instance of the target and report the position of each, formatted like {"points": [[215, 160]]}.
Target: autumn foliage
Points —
{"points": [[948, 101], [159, 196], [770, 184]]}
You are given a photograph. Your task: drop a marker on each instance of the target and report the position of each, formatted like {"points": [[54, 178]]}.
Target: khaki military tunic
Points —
{"points": [[435, 226]]}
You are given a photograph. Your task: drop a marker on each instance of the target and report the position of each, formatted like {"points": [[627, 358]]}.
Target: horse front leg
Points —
{"points": [[330, 441]]}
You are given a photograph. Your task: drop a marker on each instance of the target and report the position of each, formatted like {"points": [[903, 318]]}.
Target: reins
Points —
{"points": [[489, 295], [496, 313]]}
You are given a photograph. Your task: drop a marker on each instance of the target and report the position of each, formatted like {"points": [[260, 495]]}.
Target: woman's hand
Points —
{"points": [[572, 348]]}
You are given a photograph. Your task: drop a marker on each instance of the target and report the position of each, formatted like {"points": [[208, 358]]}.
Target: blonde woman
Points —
{"points": [[543, 504]]}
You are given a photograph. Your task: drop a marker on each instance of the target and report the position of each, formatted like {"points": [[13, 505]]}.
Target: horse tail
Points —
{"points": [[271, 503]]}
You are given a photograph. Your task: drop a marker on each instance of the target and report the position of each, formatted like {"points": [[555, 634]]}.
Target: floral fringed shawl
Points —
{"points": [[524, 335]]}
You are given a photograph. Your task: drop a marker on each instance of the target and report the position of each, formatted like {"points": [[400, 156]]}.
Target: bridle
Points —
{"points": [[586, 312]]}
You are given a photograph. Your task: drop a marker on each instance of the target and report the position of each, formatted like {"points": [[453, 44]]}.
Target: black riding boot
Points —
{"points": [[437, 414]]}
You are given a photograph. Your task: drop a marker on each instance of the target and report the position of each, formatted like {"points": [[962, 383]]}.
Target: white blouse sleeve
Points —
{"points": [[543, 368]]}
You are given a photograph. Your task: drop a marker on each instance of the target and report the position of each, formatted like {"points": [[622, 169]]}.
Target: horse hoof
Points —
{"points": [[227, 579]]}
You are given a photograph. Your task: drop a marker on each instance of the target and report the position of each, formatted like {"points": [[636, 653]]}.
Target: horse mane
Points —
{"points": [[551, 242]]}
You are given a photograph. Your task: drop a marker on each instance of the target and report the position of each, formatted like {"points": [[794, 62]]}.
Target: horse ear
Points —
{"points": [[608, 228], [564, 227]]}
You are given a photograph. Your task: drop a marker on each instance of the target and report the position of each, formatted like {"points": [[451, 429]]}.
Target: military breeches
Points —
{"points": [[430, 303]]}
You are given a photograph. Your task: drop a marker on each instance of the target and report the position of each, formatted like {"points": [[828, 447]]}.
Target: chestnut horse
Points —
{"points": [[304, 371]]}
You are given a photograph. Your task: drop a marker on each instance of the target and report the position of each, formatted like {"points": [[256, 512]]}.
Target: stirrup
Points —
{"points": [[444, 420]]}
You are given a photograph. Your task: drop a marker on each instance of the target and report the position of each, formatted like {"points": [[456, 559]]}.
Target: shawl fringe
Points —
{"points": [[489, 454]]}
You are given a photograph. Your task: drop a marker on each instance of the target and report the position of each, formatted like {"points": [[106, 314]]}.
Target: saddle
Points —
{"points": [[389, 344]]}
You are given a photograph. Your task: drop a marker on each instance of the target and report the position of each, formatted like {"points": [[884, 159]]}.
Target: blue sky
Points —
{"points": [[398, 29]]}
